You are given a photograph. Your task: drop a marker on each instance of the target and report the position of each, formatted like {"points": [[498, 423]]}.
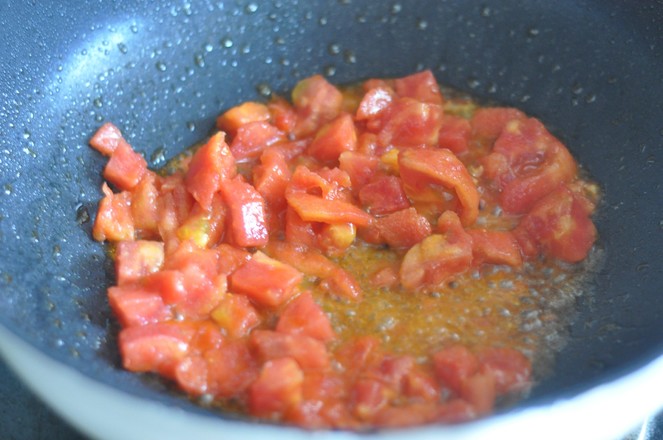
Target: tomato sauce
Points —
{"points": [[379, 255]]}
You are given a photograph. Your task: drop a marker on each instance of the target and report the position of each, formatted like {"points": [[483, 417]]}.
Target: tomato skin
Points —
{"points": [[312, 208], [231, 120], [278, 387], [423, 169], [495, 247], [157, 347], [248, 225], [266, 281], [210, 166], [125, 168], [559, 225], [303, 316], [137, 259], [333, 139], [114, 220], [527, 162], [438, 257]]}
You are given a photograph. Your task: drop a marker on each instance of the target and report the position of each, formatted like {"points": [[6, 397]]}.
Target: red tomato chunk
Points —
{"points": [[303, 264]]}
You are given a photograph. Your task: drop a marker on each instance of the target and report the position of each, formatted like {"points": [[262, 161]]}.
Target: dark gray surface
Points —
{"points": [[24, 417]]}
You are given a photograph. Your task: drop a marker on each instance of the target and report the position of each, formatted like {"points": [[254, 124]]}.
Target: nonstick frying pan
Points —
{"points": [[161, 71]]}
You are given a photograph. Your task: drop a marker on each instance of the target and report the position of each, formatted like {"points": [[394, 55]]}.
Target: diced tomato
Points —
{"points": [[384, 195], [404, 228], [125, 168], [369, 396], [204, 227], [211, 166], [455, 411], [253, 138], [278, 388], [173, 206], [270, 179], [231, 120], [230, 258], [438, 257], [316, 209], [236, 315], [495, 247], [559, 225], [203, 292], [375, 103], [455, 134], [266, 281], [114, 221], [170, 285], [526, 163], [137, 259], [145, 207], [155, 348], [333, 139], [360, 167], [310, 353], [385, 277], [317, 102], [511, 369], [248, 225], [358, 353], [136, 306], [422, 170], [420, 386], [298, 231], [191, 375], [421, 86], [343, 284], [231, 368], [323, 402], [479, 391], [487, 123], [303, 316], [454, 365], [411, 123], [283, 115], [106, 139]]}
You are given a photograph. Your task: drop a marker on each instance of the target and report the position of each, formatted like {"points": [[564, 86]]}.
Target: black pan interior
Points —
{"points": [[161, 71]]}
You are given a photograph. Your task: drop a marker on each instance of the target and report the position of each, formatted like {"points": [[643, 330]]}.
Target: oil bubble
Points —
{"points": [[226, 42], [161, 66]]}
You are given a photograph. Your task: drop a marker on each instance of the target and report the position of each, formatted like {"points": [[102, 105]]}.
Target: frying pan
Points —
{"points": [[161, 71]]}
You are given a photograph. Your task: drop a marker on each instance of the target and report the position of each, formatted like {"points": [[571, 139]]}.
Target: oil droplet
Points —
{"points": [[26, 134], [226, 42], [199, 60], [158, 157], [82, 214], [97, 102], [251, 8], [323, 21], [486, 12], [532, 32], [245, 49], [57, 251], [134, 28], [209, 47], [191, 126], [330, 70], [279, 41], [473, 83], [8, 188], [264, 90], [161, 66], [122, 47], [590, 98], [396, 8], [334, 49], [422, 25], [349, 57]]}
